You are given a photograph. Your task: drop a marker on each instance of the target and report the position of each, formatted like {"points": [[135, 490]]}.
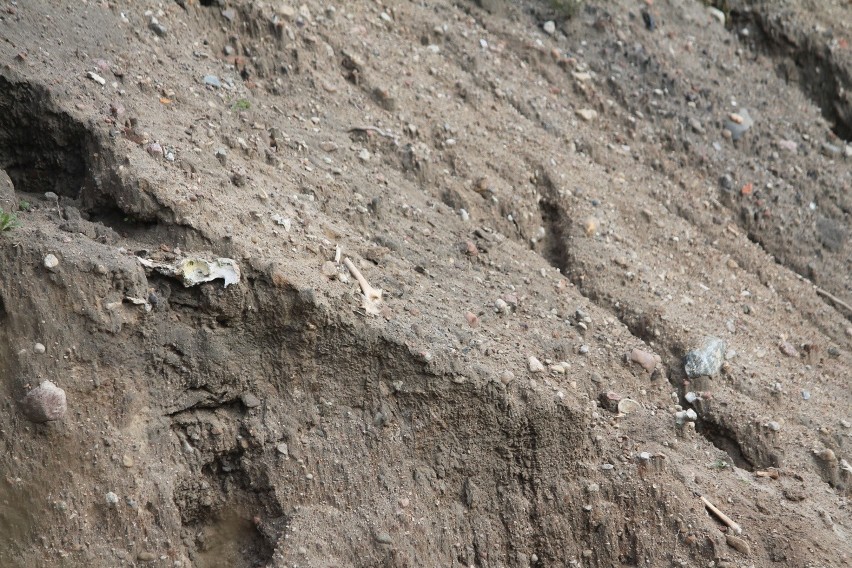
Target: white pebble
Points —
{"points": [[50, 261], [39, 348], [535, 365]]}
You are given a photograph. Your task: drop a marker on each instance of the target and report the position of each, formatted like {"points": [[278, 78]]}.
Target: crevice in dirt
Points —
{"points": [[44, 149], [803, 58], [726, 440], [41, 148], [641, 325]]}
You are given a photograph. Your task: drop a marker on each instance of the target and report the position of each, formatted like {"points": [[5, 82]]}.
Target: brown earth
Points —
{"points": [[570, 196]]}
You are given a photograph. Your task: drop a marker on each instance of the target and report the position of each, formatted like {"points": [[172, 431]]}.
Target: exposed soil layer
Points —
{"points": [[557, 204]]}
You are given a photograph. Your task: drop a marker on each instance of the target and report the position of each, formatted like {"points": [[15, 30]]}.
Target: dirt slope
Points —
{"points": [[539, 205]]}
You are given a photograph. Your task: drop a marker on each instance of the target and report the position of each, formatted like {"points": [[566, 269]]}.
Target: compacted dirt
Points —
{"points": [[558, 200]]}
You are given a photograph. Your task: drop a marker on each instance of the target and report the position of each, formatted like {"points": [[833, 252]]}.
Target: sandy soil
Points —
{"points": [[557, 210]]}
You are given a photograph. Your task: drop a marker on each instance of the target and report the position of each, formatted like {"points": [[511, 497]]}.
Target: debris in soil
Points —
{"points": [[45, 403], [372, 297], [194, 271], [721, 516]]}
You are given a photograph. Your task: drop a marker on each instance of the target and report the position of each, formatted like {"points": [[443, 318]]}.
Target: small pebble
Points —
{"points": [[806, 395], [282, 449], [549, 27], [146, 556], [507, 377], [384, 538], [738, 544], [39, 348], [127, 461], [645, 360], [535, 365], [111, 498], [51, 262], [364, 155], [787, 349], [249, 400], [45, 403], [591, 226], [471, 318], [774, 426], [584, 349], [587, 114]]}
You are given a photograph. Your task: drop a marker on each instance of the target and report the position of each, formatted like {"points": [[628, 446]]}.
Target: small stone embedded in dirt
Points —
{"points": [[787, 349], [507, 377], [717, 14], [628, 406], [471, 318], [826, 455], [39, 348], [212, 81], [249, 400], [45, 403], [535, 365], [707, 360], [384, 538], [364, 155], [282, 449], [222, 155], [155, 150], [111, 499], [591, 225], [127, 461], [549, 27], [647, 361], [587, 114], [239, 176], [696, 126], [51, 262], [584, 350], [738, 123], [145, 556], [158, 28], [738, 544]]}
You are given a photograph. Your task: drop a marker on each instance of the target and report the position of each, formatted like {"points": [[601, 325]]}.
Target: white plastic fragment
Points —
{"points": [[194, 271], [96, 78]]}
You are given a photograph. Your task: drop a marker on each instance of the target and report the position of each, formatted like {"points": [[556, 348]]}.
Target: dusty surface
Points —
{"points": [[570, 197]]}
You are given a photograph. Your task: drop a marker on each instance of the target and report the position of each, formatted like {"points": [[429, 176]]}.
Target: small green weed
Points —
{"points": [[24, 206], [241, 104], [566, 8], [8, 221]]}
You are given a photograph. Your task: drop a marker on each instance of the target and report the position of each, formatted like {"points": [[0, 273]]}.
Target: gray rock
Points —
{"points": [[738, 123], [44, 403], [157, 28], [707, 360], [249, 400], [549, 27], [213, 81]]}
